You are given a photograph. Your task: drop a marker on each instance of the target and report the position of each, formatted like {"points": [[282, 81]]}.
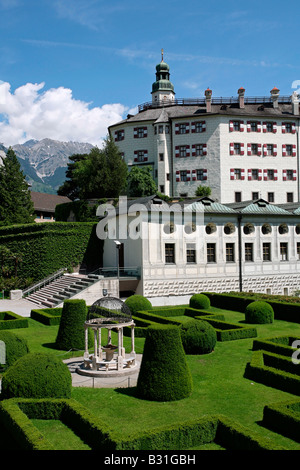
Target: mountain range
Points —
{"points": [[45, 162]]}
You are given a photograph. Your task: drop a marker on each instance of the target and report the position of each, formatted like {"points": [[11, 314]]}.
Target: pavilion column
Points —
{"points": [[120, 349], [86, 336], [99, 345], [132, 354], [109, 336]]}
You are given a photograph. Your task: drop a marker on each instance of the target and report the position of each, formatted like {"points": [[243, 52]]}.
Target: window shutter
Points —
{"points": [[204, 149], [259, 127], [187, 150], [145, 131], [177, 176], [135, 133], [230, 126], [259, 175], [177, 151], [250, 175], [274, 127], [283, 128], [187, 128], [284, 175], [145, 155], [259, 150], [193, 127], [242, 152], [176, 128], [135, 158], [265, 175], [294, 175], [293, 128], [188, 175], [275, 150], [249, 149], [242, 174], [193, 150], [231, 148], [194, 175], [294, 150], [242, 126], [264, 126], [248, 126], [275, 175], [283, 150], [203, 126], [232, 173], [205, 175], [265, 150]]}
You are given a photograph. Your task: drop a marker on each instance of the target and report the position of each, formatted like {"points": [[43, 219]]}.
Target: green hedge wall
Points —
{"points": [[47, 316], [260, 370], [279, 345], [10, 320], [48, 247], [283, 418], [16, 415], [227, 331]]}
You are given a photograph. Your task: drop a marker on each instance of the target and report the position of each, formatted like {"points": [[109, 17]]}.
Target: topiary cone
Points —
{"points": [[164, 373], [71, 334]]}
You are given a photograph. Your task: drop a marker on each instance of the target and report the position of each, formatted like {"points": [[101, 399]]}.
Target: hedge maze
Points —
{"points": [[271, 365]]}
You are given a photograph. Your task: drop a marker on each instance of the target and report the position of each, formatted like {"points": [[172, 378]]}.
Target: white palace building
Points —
{"points": [[243, 148]]}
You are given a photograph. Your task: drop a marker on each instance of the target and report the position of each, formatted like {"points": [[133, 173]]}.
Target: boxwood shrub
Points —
{"points": [[198, 337], [164, 373], [138, 302], [47, 316], [71, 332], [199, 301], [11, 320], [15, 347], [37, 375], [259, 312]]}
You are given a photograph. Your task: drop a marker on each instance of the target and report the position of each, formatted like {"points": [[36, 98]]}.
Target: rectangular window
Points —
{"points": [[254, 149], [237, 125], [167, 128], [140, 132], [289, 150], [160, 129], [190, 253], [253, 126], [254, 175], [269, 126], [289, 197], [266, 251], [283, 251], [255, 196], [289, 175], [183, 128], [230, 252], [170, 253], [161, 157], [237, 149], [271, 197], [199, 150], [238, 196], [237, 174], [200, 175], [183, 175], [298, 250], [119, 135], [270, 150], [288, 128], [248, 251], [270, 174], [182, 151], [199, 126], [211, 252]]}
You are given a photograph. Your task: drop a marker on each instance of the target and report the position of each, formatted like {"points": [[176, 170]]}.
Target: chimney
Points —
{"points": [[208, 94], [241, 93], [275, 95], [295, 103]]}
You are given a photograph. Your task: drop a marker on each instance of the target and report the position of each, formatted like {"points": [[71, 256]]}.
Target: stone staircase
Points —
{"points": [[60, 289]]}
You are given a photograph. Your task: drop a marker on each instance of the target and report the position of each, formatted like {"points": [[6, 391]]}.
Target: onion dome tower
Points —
{"points": [[162, 88]]}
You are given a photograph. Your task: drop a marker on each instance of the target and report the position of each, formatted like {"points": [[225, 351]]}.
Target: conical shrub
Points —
{"points": [[164, 373], [71, 332]]}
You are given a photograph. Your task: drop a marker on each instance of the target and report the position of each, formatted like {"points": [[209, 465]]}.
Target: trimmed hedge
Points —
{"points": [[281, 345], [138, 302], [199, 301], [47, 316], [71, 332], [259, 312], [59, 245], [283, 418], [272, 370], [10, 320], [227, 331], [16, 415], [37, 375], [164, 373], [15, 347], [198, 337]]}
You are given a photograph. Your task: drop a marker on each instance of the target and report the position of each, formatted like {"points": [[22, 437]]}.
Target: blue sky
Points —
{"points": [[70, 68]]}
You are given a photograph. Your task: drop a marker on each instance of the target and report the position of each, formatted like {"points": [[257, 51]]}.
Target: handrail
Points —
{"points": [[43, 283], [217, 100], [114, 271]]}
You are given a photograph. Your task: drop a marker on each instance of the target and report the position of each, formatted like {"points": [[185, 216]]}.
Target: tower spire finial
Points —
{"points": [[162, 55]]}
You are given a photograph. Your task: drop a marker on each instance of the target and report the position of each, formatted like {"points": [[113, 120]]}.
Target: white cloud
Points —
{"points": [[32, 113]]}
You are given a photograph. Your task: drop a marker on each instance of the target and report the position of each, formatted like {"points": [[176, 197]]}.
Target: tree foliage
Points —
{"points": [[203, 191], [140, 182], [100, 174], [16, 206]]}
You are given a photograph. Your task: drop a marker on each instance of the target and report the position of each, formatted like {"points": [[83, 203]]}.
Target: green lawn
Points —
{"points": [[218, 386]]}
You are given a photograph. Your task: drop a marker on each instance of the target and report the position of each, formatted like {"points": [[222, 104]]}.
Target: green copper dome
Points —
{"points": [[162, 78]]}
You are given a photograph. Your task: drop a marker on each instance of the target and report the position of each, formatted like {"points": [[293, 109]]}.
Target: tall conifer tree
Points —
{"points": [[16, 206]]}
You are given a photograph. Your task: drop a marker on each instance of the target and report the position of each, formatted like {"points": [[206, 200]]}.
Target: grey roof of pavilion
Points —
{"points": [[208, 205], [176, 111]]}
